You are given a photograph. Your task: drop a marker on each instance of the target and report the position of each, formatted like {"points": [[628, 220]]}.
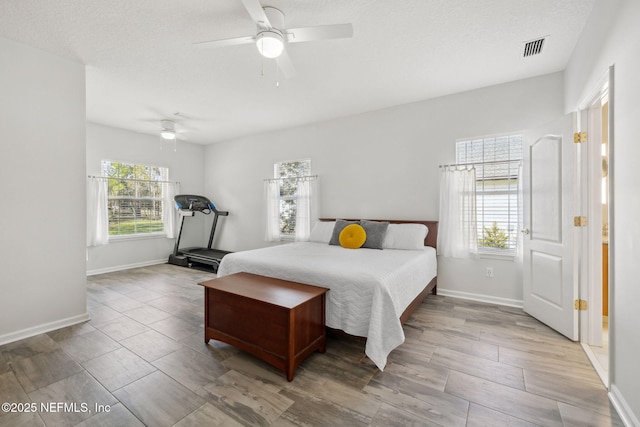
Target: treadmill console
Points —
{"points": [[193, 203]]}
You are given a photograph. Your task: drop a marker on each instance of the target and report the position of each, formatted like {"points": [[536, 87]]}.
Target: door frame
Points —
{"points": [[591, 175]]}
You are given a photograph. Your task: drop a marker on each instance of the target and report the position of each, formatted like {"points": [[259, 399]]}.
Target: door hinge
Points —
{"points": [[580, 304], [579, 221], [579, 137]]}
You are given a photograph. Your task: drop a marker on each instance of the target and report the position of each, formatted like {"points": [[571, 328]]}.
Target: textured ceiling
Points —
{"points": [[142, 67]]}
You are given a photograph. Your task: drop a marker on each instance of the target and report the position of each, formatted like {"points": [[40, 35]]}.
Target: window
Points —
{"points": [[288, 174], [134, 198], [497, 162]]}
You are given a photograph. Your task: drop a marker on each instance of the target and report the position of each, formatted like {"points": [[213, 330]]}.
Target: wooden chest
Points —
{"points": [[279, 321]]}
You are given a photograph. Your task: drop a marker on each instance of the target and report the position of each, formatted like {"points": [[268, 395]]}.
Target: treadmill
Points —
{"points": [[188, 205]]}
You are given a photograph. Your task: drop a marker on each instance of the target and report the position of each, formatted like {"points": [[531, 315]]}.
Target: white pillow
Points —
{"points": [[405, 236], [322, 231]]}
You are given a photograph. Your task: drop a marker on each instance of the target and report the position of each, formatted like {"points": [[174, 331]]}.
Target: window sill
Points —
{"points": [[492, 255], [128, 237]]}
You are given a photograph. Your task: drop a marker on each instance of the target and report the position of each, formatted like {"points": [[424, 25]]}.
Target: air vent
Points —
{"points": [[533, 47]]}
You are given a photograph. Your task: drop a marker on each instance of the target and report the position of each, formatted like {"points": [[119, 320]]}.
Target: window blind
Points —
{"points": [[497, 162]]}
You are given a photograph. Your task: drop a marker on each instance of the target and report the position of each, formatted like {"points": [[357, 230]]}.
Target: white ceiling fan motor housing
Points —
{"points": [[168, 129], [270, 40]]}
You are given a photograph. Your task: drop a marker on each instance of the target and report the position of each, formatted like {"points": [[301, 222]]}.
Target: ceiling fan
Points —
{"points": [[272, 37]]}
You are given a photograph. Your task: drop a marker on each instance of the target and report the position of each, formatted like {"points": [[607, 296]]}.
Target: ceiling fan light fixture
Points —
{"points": [[168, 134], [270, 44], [168, 131]]}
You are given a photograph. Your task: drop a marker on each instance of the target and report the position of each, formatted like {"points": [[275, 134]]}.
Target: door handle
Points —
{"points": [[525, 231]]}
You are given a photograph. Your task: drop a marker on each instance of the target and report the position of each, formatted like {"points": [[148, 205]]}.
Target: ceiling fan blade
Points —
{"points": [[285, 65], [257, 13], [322, 32], [225, 42]]}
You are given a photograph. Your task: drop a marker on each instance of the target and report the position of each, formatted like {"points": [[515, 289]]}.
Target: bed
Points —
{"points": [[372, 292]]}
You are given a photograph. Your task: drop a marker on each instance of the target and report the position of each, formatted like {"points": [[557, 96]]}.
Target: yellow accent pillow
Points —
{"points": [[352, 236]]}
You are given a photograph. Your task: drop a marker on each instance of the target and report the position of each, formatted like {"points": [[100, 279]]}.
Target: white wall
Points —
{"points": [[185, 165], [382, 164], [612, 37], [42, 197]]}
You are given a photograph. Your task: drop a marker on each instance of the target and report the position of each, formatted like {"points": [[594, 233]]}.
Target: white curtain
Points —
{"points": [[457, 231], [169, 210], [272, 203], [306, 207], [97, 213], [519, 235]]}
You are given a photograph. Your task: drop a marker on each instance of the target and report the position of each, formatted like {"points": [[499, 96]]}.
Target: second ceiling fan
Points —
{"points": [[272, 37]]}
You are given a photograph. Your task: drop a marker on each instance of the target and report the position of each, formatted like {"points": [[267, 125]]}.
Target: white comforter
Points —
{"points": [[369, 288]]}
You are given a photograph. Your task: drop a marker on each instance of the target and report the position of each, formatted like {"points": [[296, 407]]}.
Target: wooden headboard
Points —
{"points": [[432, 235]]}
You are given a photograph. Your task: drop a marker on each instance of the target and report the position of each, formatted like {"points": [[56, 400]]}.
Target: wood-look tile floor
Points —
{"points": [[143, 357]]}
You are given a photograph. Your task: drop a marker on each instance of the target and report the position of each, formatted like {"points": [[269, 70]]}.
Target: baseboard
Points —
{"points": [[42, 329], [126, 267], [595, 362], [622, 407], [479, 297]]}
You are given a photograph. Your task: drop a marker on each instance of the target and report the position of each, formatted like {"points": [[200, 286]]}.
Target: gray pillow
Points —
{"points": [[376, 231], [337, 229]]}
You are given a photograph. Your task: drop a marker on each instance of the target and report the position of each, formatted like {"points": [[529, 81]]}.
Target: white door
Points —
{"points": [[549, 271]]}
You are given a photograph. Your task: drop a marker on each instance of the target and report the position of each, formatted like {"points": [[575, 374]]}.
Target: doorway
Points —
{"points": [[596, 201], [566, 259]]}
